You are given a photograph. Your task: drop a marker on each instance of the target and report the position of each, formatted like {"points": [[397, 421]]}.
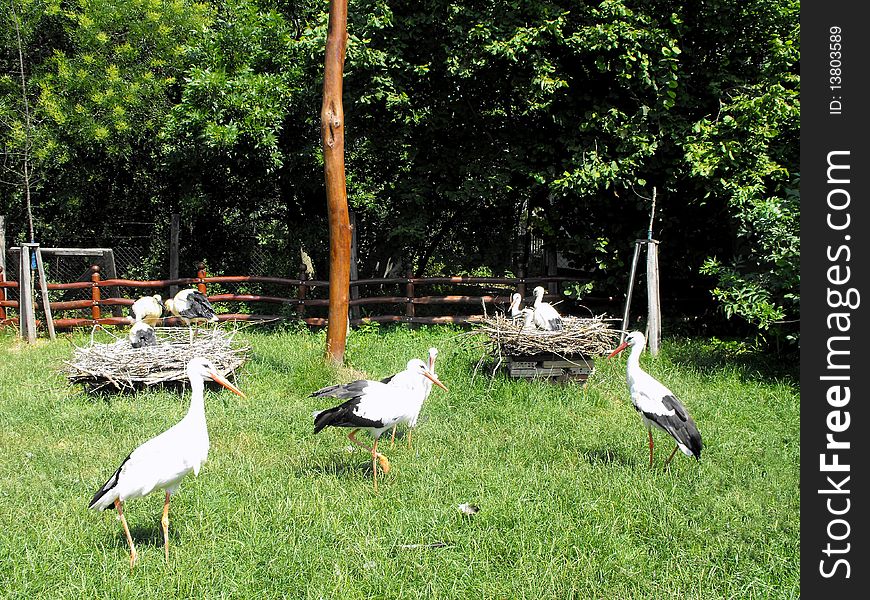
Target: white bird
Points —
{"points": [[163, 461], [142, 334], [528, 315], [192, 306], [546, 316], [148, 309], [657, 404], [418, 392], [373, 406], [515, 311]]}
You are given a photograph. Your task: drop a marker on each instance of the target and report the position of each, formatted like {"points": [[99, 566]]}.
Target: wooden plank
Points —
{"points": [[654, 314], [26, 318], [46, 302], [68, 251], [2, 243], [174, 234]]}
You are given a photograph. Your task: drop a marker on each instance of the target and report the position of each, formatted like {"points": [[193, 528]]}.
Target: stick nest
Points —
{"points": [[119, 365], [584, 336]]}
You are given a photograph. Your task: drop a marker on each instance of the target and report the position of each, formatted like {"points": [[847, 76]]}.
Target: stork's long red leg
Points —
{"points": [[409, 438], [393, 437], [133, 555], [375, 464], [165, 522], [352, 437], [672, 455], [649, 433]]}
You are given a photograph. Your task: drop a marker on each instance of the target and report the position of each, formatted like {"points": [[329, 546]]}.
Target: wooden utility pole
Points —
{"points": [[332, 131]]}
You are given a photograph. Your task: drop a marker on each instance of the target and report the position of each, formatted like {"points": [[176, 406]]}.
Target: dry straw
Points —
{"points": [[579, 336], [119, 365]]}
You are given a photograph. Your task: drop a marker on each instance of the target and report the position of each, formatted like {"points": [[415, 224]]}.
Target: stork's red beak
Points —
{"points": [[434, 380], [226, 384], [619, 349]]}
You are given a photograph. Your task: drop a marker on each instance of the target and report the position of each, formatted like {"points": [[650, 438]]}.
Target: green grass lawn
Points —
{"points": [[568, 505]]}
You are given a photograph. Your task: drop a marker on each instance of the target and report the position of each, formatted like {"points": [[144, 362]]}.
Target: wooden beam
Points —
{"points": [[174, 234], [332, 131]]}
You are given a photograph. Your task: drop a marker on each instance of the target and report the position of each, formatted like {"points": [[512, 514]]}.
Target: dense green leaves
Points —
{"points": [[471, 127]]}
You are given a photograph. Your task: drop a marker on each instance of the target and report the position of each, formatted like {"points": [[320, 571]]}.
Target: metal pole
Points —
{"points": [[637, 244]]}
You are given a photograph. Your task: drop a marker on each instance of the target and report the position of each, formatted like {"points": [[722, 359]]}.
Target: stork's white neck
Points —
{"points": [[196, 412]]}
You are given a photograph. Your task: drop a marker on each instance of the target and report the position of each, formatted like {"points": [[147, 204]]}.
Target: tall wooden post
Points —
{"points": [[174, 234], [26, 318], [201, 274], [654, 318], [410, 311], [332, 131], [95, 293], [3, 243]]}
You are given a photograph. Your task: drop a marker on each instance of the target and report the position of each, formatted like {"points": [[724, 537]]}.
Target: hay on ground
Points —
{"points": [[587, 337], [119, 365]]}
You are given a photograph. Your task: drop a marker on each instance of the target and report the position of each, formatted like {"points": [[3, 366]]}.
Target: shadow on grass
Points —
{"points": [[357, 466], [749, 361], [606, 456]]}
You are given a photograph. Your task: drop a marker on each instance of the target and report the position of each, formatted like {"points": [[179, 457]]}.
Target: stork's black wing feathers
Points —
{"points": [[199, 307], [342, 391], [680, 425], [112, 482], [387, 379], [556, 324], [344, 415]]}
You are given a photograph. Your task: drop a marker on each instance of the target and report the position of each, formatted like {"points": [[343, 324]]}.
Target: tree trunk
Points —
{"points": [[332, 131]]}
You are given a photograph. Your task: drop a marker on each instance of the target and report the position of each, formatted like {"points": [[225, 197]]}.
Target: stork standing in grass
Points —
{"points": [[546, 317], [418, 392], [374, 406], [192, 306], [657, 404], [148, 309], [163, 461]]}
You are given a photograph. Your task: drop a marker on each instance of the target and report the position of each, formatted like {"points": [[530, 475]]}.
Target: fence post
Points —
{"points": [[302, 292], [201, 274], [174, 233], [409, 292], [2, 294], [95, 292], [26, 315], [521, 286]]}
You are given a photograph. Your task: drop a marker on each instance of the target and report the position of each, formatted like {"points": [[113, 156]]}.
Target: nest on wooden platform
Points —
{"points": [[120, 366], [588, 337]]}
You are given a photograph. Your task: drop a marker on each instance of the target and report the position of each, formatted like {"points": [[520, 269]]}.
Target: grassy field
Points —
{"points": [[568, 505]]}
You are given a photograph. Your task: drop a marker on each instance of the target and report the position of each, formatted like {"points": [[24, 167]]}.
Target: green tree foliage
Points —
{"points": [[469, 126]]}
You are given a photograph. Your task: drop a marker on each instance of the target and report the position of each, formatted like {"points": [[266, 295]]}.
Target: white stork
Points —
{"points": [[657, 404], [163, 461], [418, 390], [546, 316], [528, 315], [148, 309], [192, 306], [514, 309], [372, 405], [142, 334]]}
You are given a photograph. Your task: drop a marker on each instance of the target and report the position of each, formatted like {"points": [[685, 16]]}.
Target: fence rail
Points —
{"points": [[300, 300]]}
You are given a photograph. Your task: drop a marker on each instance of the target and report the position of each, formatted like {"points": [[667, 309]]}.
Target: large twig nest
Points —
{"points": [[579, 336], [119, 365]]}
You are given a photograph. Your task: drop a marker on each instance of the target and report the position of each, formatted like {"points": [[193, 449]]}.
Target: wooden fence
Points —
{"points": [[102, 309]]}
